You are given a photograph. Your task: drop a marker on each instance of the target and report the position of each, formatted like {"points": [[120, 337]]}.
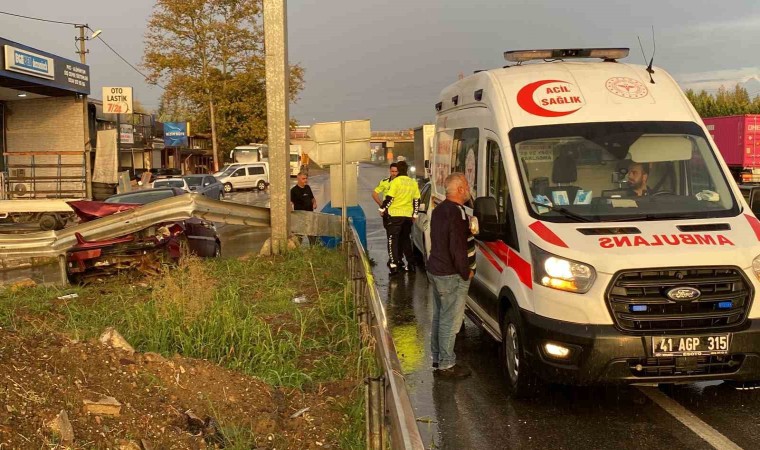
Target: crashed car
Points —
{"points": [[145, 250]]}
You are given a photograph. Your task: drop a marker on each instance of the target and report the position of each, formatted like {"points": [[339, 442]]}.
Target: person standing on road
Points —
{"points": [[302, 199], [402, 203], [378, 195], [450, 267]]}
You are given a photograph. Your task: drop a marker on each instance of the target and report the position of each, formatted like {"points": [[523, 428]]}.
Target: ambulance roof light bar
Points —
{"points": [[607, 54]]}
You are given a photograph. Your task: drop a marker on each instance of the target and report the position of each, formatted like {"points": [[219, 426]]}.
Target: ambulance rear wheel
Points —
{"points": [[521, 380]]}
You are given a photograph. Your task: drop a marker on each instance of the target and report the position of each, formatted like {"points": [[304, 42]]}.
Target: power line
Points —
{"points": [[80, 25], [39, 19], [128, 63]]}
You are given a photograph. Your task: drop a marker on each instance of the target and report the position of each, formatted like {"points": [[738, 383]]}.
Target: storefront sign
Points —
{"points": [[30, 63], [127, 134], [117, 100], [175, 134], [28, 69]]}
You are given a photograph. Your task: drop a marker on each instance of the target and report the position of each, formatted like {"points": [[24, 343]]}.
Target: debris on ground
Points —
{"points": [[300, 299], [299, 412], [61, 426], [112, 338], [106, 406]]}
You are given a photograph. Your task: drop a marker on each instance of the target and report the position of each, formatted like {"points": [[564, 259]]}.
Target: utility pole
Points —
{"points": [[278, 118], [86, 115]]}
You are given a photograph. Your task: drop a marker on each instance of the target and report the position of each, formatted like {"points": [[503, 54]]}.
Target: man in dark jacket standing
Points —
{"points": [[302, 199], [450, 267]]}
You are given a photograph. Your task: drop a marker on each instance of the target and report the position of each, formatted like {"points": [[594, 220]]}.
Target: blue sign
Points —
{"points": [[28, 69], [175, 134], [24, 61]]}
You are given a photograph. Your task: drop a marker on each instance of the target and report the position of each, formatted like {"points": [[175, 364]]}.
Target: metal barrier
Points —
{"points": [[388, 408]]}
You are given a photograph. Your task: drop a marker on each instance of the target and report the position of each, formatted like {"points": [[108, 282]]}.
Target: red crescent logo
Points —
{"points": [[526, 102]]}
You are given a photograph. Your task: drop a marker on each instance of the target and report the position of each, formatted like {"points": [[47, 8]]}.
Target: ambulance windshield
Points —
{"points": [[621, 171]]}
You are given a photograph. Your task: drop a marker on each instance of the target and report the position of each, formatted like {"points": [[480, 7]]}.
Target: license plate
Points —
{"points": [[690, 345]]}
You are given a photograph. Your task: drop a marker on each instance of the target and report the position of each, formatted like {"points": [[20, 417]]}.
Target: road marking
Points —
{"points": [[691, 421]]}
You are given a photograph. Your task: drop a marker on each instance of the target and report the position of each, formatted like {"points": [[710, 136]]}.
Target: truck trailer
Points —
{"points": [[423, 139], [738, 140]]}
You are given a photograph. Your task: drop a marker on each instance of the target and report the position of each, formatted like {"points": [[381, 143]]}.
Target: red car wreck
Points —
{"points": [[144, 250]]}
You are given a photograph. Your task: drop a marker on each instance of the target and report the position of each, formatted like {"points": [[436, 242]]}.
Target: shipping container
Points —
{"points": [[738, 140]]}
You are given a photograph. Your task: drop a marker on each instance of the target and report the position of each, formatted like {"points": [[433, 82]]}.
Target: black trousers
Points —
{"points": [[399, 241]]}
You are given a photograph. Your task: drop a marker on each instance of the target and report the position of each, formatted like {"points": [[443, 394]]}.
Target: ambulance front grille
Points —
{"points": [[638, 302]]}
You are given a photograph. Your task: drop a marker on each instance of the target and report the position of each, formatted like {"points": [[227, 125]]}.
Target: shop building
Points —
{"points": [[43, 124]]}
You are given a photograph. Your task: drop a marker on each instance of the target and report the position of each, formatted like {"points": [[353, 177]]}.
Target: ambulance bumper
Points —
{"points": [[601, 354]]}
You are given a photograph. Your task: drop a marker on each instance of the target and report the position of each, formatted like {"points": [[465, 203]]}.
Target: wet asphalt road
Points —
{"points": [[476, 413]]}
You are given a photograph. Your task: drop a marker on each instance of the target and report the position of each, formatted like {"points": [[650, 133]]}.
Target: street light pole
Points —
{"points": [[86, 116]]}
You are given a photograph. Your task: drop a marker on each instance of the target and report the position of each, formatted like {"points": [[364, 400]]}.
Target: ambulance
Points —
{"points": [[613, 246]]}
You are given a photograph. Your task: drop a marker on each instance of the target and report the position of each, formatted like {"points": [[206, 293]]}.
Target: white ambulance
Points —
{"points": [[613, 245]]}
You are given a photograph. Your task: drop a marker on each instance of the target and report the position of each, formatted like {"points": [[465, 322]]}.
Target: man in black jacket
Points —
{"points": [[450, 267], [302, 199]]}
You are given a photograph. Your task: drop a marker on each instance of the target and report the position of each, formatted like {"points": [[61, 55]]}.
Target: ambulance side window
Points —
{"points": [[465, 155], [496, 179]]}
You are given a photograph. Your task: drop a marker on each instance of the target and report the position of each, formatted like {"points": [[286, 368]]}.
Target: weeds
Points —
{"points": [[238, 314]]}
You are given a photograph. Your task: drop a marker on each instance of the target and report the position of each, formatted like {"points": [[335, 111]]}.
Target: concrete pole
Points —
{"points": [[278, 117], [86, 115]]}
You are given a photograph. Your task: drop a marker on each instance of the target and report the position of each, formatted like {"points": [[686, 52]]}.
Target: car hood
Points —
{"points": [[88, 210]]}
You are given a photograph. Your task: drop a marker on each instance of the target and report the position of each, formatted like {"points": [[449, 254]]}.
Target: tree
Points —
{"points": [[210, 56], [724, 103]]}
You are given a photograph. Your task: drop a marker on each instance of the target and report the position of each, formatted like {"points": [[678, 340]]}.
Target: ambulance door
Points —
{"points": [[492, 257]]}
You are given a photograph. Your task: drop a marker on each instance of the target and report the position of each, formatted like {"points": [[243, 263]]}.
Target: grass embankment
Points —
{"points": [[238, 314]]}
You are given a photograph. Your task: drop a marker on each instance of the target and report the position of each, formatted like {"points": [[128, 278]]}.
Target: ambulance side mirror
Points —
{"points": [[487, 213]]}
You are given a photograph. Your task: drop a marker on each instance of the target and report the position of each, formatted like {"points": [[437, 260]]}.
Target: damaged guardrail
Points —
{"points": [[387, 400], [56, 243]]}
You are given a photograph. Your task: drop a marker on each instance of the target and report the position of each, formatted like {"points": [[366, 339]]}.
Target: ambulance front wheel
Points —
{"points": [[521, 380]]}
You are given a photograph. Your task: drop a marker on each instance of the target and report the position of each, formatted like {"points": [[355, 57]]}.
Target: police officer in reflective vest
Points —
{"points": [[402, 203]]}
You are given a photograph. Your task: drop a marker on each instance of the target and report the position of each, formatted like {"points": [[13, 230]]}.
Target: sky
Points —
{"points": [[387, 60]]}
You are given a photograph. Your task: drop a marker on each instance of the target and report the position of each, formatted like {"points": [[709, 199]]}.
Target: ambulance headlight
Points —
{"points": [[564, 274], [756, 266]]}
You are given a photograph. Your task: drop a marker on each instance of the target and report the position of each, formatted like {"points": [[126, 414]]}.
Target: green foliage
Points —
{"points": [[724, 103], [211, 52]]}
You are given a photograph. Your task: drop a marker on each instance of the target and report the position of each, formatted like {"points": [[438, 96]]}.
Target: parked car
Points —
{"points": [[421, 227], [171, 182], [751, 193], [228, 169], [247, 176], [206, 185], [145, 249]]}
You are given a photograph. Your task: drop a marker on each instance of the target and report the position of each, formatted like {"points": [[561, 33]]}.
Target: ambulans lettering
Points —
{"points": [[550, 98], [664, 239]]}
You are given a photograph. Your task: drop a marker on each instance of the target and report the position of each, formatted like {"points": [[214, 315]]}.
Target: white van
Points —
{"points": [[614, 246], [245, 176], [295, 159]]}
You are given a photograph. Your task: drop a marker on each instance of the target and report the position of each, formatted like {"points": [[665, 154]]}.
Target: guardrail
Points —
{"points": [[388, 408]]}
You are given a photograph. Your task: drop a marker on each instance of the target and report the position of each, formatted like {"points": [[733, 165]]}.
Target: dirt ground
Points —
{"points": [[42, 375]]}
